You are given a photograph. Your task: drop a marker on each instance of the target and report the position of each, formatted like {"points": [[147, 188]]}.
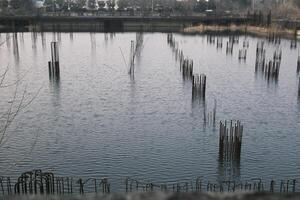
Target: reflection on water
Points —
{"points": [[16, 48], [97, 120], [229, 170]]}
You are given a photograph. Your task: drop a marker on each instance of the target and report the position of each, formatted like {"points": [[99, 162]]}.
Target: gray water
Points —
{"points": [[97, 121]]}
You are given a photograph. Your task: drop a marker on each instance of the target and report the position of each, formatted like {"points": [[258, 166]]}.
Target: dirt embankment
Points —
{"points": [[255, 30]]}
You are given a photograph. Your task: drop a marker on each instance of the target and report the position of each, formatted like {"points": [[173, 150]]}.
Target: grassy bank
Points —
{"points": [[255, 30]]}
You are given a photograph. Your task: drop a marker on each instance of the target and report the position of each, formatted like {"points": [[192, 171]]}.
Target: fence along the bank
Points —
{"points": [[201, 185], [38, 182], [45, 183]]}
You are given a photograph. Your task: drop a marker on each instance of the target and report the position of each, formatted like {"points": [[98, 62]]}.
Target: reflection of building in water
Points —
{"points": [[33, 39], [71, 36], [230, 143], [16, 47], [93, 42], [7, 41], [43, 37]]}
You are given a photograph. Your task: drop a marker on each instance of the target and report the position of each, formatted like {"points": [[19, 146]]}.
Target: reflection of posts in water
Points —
{"points": [[210, 116], [33, 39], [274, 38], [132, 58], [230, 143], [16, 47], [7, 41], [243, 54], [53, 65], [187, 68], [298, 64], [93, 42], [71, 36], [139, 43], [43, 37], [229, 47], [299, 88]]}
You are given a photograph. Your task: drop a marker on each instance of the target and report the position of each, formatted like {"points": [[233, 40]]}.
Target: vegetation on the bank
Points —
{"points": [[280, 8]]}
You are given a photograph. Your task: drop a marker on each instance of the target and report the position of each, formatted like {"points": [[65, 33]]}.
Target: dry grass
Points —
{"points": [[261, 31]]}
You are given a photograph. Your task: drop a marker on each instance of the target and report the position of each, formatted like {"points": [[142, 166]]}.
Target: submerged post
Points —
{"points": [[53, 65]]}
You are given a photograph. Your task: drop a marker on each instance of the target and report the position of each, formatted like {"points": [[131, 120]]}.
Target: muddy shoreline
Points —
{"points": [[243, 29]]}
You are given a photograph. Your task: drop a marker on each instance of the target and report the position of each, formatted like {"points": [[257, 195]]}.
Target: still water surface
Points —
{"points": [[97, 121]]}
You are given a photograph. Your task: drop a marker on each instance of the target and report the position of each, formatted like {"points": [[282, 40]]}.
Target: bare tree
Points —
{"points": [[19, 101]]}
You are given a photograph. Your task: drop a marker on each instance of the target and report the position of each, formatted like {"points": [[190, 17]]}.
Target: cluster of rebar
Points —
{"points": [[174, 46], [260, 55], [186, 67], [210, 117], [171, 40], [229, 47], [53, 65], [230, 141], [219, 43], [271, 70], [242, 54], [211, 39], [37, 182], [294, 43], [234, 39], [273, 38], [199, 86], [245, 44]]}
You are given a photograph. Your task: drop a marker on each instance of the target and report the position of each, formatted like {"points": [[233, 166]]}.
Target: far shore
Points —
{"points": [[248, 29]]}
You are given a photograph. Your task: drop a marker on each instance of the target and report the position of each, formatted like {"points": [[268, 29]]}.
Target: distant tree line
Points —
{"points": [[182, 6]]}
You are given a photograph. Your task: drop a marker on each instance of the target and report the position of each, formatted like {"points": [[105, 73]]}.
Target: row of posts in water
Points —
{"points": [[187, 69], [38, 182], [270, 69], [233, 39], [230, 137]]}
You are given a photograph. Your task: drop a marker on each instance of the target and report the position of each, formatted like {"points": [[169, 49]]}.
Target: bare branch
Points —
{"points": [[2, 76], [8, 38]]}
